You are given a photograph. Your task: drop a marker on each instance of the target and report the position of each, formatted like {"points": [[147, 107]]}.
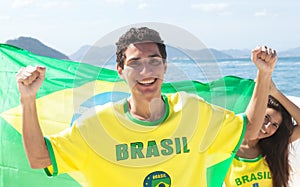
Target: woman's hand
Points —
{"points": [[264, 58]]}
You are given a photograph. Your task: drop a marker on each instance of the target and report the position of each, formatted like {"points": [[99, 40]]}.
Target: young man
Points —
{"points": [[148, 139]]}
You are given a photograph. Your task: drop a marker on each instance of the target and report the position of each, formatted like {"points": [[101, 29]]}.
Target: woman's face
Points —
{"points": [[271, 123]]}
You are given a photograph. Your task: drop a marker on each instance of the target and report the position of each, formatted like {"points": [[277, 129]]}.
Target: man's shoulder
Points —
{"points": [[185, 98], [97, 110], [182, 95]]}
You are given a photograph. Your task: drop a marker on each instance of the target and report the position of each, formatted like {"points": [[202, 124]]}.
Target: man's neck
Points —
{"points": [[146, 110]]}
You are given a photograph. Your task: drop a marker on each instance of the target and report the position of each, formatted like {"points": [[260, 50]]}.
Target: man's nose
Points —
{"points": [[146, 68]]}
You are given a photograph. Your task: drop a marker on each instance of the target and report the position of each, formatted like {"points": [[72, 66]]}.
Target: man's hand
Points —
{"points": [[29, 80], [264, 58]]}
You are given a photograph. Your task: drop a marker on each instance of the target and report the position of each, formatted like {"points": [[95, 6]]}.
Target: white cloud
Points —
{"points": [[22, 3], [210, 7], [225, 13], [142, 5], [116, 2], [262, 13], [41, 4], [4, 18], [54, 4]]}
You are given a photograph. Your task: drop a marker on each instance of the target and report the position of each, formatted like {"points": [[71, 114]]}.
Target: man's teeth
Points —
{"points": [[147, 81]]}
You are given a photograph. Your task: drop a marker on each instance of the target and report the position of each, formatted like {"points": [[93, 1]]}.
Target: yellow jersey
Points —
{"points": [[193, 144], [249, 173]]}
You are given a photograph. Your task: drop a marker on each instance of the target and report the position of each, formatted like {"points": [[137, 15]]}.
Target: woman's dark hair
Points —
{"points": [[139, 35], [275, 148]]}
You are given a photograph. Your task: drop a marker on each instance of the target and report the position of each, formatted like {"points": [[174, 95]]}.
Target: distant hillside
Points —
{"points": [[95, 55], [77, 56], [200, 55], [246, 53], [37, 47], [295, 52], [238, 53]]}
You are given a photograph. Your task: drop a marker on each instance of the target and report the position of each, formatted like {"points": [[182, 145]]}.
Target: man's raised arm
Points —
{"points": [[29, 81]]}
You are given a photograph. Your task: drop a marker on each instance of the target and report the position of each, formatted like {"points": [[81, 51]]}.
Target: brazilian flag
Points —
{"points": [[69, 89]]}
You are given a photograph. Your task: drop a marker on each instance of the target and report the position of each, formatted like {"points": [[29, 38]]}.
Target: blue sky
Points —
{"points": [[66, 25]]}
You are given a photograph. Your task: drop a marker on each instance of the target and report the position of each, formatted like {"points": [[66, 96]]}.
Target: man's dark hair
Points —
{"points": [[139, 35]]}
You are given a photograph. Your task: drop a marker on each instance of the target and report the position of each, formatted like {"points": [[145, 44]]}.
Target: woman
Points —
{"points": [[264, 161]]}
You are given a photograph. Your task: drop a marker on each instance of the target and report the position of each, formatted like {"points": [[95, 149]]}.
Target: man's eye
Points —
{"points": [[155, 62], [134, 64]]}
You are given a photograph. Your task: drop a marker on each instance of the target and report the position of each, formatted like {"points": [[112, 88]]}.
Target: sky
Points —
{"points": [[67, 25]]}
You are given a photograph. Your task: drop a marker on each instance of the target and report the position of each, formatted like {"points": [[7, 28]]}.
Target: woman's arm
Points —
{"points": [[265, 59], [293, 109]]}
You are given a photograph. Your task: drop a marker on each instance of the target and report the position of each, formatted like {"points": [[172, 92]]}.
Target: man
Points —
{"points": [[148, 139]]}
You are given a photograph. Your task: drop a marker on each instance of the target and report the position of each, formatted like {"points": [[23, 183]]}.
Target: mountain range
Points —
{"points": [[35, 46], [94, 55]]}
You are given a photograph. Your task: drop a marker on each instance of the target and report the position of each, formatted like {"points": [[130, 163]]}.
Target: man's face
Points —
{"points": [[143, 70]]}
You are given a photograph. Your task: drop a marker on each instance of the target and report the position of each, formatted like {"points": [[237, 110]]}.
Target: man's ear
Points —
{"points": [[165, 66], [120, 71]]}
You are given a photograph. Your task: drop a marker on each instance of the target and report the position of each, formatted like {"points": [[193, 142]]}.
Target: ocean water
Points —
{"points": [[286, 74]]}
